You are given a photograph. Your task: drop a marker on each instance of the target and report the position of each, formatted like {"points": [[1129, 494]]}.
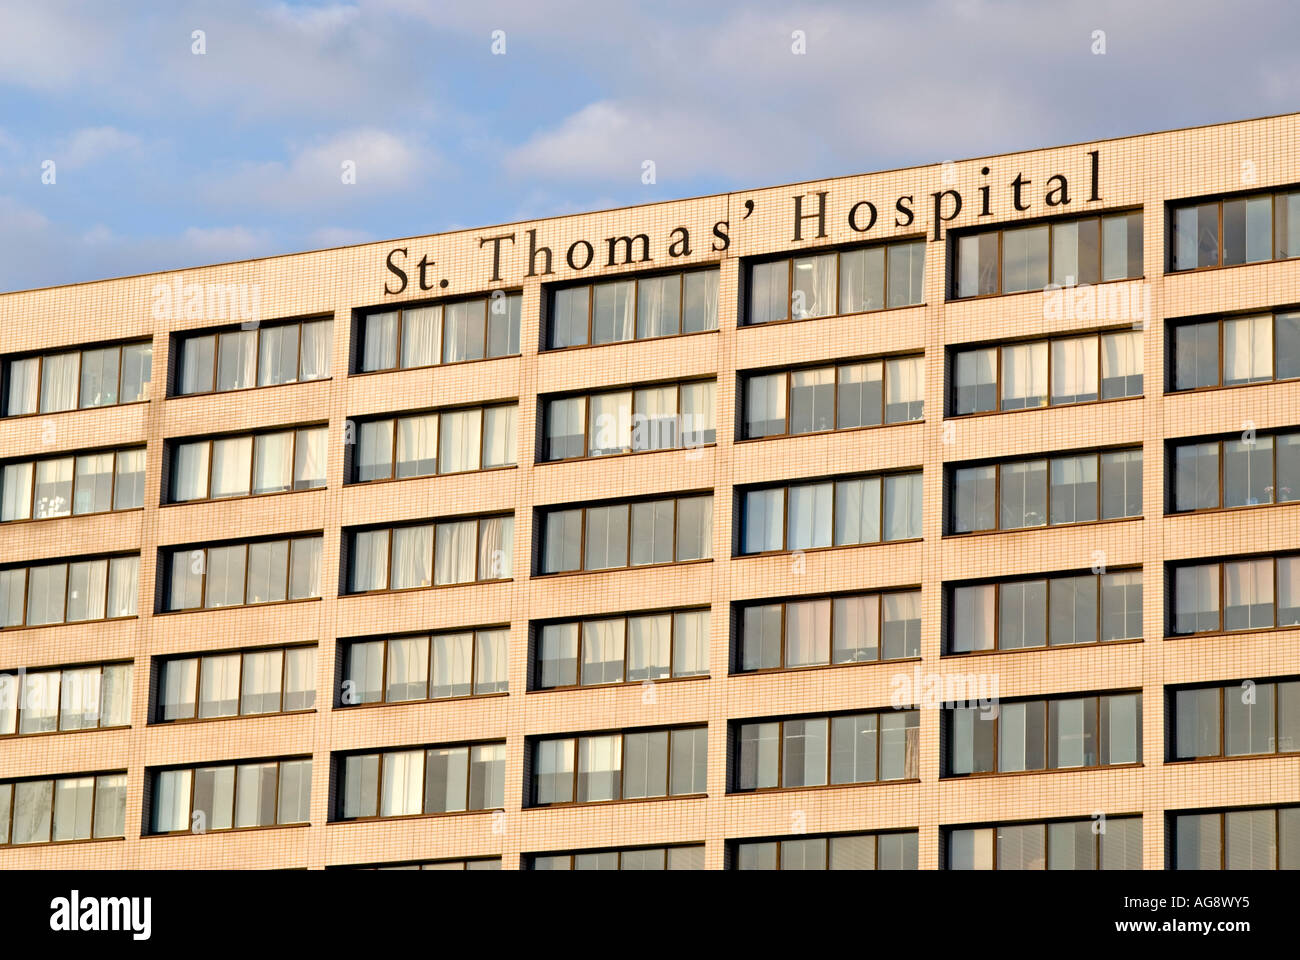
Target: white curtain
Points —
{"points": [[452, 662], [1024, 375], [700, 301], [1074, 370], [87, 584], [690, 643], [613, 318], [60, 377], [764, 519], [236, 359], [810, 516], [22, 387], [315, 350], [79, 699], [807, 633], [365, 664], [268, 570], [862, 280], [99, 376], [219, 686], [379, 352], [974, 613], [698, 412], [54, 487], [904, 386], [277, 360], [655, 420], [856, 628], [814, 287], [599, 764], [260, 682], [902, 515], [421, 337], [115, 695], [408, 669], [46, 590], [231, 466], [496, 548], [412, 554], [559, 651], [417, 446], [466, 330], [273, 462], [370, 561], [765, 405], [1247, 349], [857, 511], [609, 426], [197, 364], [253, 781], [16, 499], [499, 435], [94, 490], [309, 458], [459, 441], [403, 780], [602, 651], [456, 545], [491, 655], [659, 306], [1121, 356]]}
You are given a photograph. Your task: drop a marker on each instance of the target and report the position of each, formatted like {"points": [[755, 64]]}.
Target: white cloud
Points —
{"points": [[90, 144], [383, 163], [326, 237]]}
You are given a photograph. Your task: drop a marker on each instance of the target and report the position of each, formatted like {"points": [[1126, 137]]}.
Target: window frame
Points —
{"points": [[1171, 573], [946, 835], [170, 552], [545, 511], [66, 563], [94, 776], [550, 290], [162, 663], [80, 351], [21, 674], [154, 773], [74, 456], [180, 338], [339, 760], [1171, 214], [349, 569], [1171, 831], [173, 450], [353, 467], [361, 319], [545, 401], [533, 743], [346, 652], [1220, 321], [733, 846], [572, 855], [1221, 688], [537, 626], [1173, 444]]}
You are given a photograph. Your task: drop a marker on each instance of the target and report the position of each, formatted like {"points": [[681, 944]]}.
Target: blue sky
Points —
{"points": [[164, 158]]}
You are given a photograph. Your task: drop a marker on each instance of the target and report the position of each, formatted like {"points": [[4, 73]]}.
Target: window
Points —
{"points": [[235, 574], [851, 628], [1015, 259], [425, 444], [1266, 838], [78, 379], [247, 683], [241, 359], [1226, 231], [1236, 473], [1048, 611], [846, 851], [103, 588], [620, 535], [1069, 488], [64, 699], [631, 765], [629, 649], [834, 398], [683, 857], [73, 485], [476, 863], [62, 809], [639, 308], [1056, 733], [1067, 370], [1251, 594], [464, 663], [1236, 719], [439, 554], [831, 513], [1231, 351], [665, 417], [249, 465], [837, 283], [1105, 843], [231, 796], [826, 750], [423, 780], [476, 329]]}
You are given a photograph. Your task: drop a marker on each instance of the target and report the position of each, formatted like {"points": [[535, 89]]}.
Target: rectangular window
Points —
{"points": [[640, 308], [255, 464], [62, 592], [63, 699], [268, 680], [1249, 718], [240, 359], [1235, 350], [630, 421], [812, 751], [1233, 230], [72, 485], [1253, 839], [79, 379], [1068, 252], [849, 851], [1046, 373], [842, 397], [426, 444], [1055, 845], [439, 554], [1236, 473], [1070, 488], [429, 780], [1235, 595], [835, 284], [231, 796], [684, 857], [62, 809], [412, 337], [833, 513], [634, 764], [852, 628], [1053, 733], [629, 649], [438, 667], [264, 571], [620, 535]]}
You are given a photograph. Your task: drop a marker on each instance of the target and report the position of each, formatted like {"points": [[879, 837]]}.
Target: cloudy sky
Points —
{"points": [[163, 157]]}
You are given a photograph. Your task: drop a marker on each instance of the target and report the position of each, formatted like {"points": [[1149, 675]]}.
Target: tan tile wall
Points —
{"points": [[1141, 171]]}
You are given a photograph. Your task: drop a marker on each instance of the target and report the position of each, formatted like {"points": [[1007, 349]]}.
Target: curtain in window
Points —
{"points": [[94, 484], [857, 511], [765, 405], [231, 466], [299, 678], [465, 331], [906, 273], [764, 520], [79, 699], [53, 488], [115, 695], [412, 555], [110, 805], [16, 498], [698, 407], [602, 651], [295, 792], [236, 359], [99, 376], [609, 423], [1247, 350], [902, 509], [272, 463], [255, 801], [40, 702], [499, 436], [659, 306], [23, 391], [1074, 370], [1024, 376], [417, 446], [700, 301], [655, 420], [456, 546], [905, 389], [565, 420], [315, 350], [370, 561], [459, 443], [496, 548], [648, 643], [974, 613], [491, 661], [652, 532], [807, 633], [453, 655], [225, 576], [59, 382], [197, 364], [309, 458], [612, 311], [278, 355], [446, 784], [690, 643], [46, 591], [599, 764], [87, 581], [862, 280], [304, 568], [379, 352], [421, 337], [408, 669], [814, 287], [809, 520], [190, 479], [855, 629], [268, 571], [128, 491]]}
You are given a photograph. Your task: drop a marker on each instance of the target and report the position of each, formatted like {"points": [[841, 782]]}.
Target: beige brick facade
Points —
{"points": [[1144, 171]]}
